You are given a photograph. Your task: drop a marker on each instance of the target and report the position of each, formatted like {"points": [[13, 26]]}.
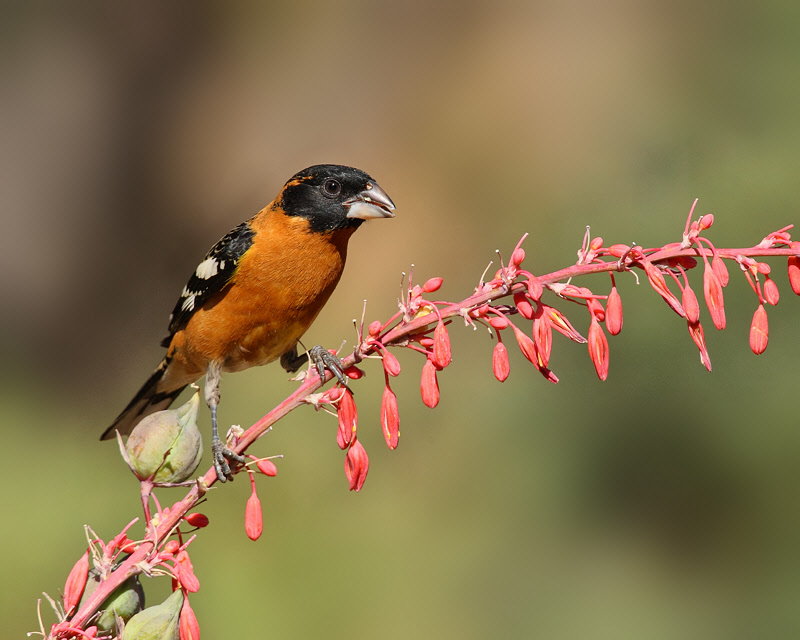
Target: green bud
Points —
{"points": [[167, 444], [161, 622], [125, 601]]}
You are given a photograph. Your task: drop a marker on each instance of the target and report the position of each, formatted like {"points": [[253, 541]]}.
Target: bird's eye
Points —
{"points": [[332, 188]]}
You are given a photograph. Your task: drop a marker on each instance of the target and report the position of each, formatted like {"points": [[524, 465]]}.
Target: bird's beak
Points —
{"points": [[372, 202]]}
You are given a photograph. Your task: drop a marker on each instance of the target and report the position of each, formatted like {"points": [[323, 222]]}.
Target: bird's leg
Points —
{"points": [[322, 359], [219, 451]]}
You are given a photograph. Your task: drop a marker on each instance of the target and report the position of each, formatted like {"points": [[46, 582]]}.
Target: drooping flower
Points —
{"points": [[429, 385], [759, 331], [598, 349], [356, 466], [76, 583], [614, 312], [253, 518], [348, 420], [712, 289], [500, 363], [390, 417]]}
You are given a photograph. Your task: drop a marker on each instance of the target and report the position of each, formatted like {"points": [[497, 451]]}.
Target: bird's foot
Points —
{"points": [[324, 359], [221, 455]]}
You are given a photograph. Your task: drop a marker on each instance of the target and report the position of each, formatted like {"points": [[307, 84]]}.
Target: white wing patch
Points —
{"points": [[208, 268], [188, 303]]}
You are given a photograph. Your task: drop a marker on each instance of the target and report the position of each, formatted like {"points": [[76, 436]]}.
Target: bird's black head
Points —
{"points": [[332, 196]]}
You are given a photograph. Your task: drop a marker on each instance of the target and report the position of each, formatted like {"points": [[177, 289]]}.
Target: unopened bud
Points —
{"points": [[124, 602], [160, 622], [167, 446]]}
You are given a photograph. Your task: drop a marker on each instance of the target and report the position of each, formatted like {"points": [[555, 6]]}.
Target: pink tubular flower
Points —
{"points": [[696, 331], [348, 420], [690, 305], [759, 331], [560, 323], [614, 312], [76, 583], [542, 335], [356, 466], [523, 305], [794, 273], [712, 289], [390, 417], [598, 349], [253, 518], [186, 577], [390, 364], [535, 288], [430, 385], [500, 364], [432, 285], [658, 283], [771, 293], [441, 346], [527, 346], [189, 627], [718, 264]]}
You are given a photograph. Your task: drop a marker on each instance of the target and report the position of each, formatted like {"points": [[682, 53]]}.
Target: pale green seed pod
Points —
{"points": [[161, 622], [124, 602], [172, 434]]}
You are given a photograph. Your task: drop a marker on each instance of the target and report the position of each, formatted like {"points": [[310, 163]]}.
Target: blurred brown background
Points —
{"points": [[660, 504]]}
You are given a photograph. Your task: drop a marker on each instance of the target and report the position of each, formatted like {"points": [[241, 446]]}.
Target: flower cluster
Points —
{"points": [[102, 594]]}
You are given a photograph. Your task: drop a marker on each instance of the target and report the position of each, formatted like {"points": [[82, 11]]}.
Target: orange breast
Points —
{"points": [[279, 287]]}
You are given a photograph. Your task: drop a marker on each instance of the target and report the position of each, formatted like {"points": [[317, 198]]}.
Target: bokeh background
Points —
{"points": [[659, 504]]}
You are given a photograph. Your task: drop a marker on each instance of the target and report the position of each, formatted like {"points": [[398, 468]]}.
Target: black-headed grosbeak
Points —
{"points": [[258, 290]]}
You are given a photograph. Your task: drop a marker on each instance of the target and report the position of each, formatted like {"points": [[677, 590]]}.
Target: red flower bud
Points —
{"points": [[198, 520], [706, 221], [771, 293], [543, 335], [354, 373], [267, 467], [432, 285], [614, 312], [535, 288], [718, 264], [596, 243], [172, 547], [390, 417], [712, 289], [690, 305], [527, 346], [598, 349], [189, 627], [356, 466], [390, 364], [76, 583], [185, 570], [375, 328], [517, 257], [500, 364], [759, 330], [348, 420], [253, 518], [429, 385], [523, 305], [618, 250], [498, 322], [441, 346], [794, 274]]}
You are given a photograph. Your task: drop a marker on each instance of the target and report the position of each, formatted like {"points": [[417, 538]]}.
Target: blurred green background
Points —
{"points": [[660, 504]]}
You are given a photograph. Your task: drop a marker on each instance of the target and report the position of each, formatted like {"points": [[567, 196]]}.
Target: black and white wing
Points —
{"points": [[211, 275]]}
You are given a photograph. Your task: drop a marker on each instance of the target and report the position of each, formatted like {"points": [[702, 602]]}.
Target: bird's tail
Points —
{"points": [[146, 401]]}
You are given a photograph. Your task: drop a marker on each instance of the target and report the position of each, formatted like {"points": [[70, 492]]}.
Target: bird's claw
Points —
{"points": [[324, 359], [221, 455]]}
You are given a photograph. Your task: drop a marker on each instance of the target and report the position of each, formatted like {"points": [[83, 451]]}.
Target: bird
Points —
{"points": [[257, 291]]}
